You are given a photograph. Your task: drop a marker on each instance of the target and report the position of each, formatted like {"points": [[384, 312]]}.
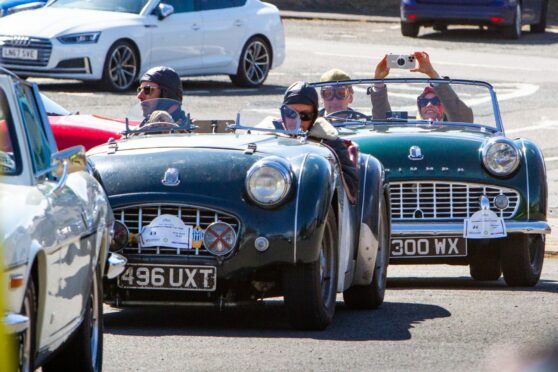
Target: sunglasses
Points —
{"points": [[147, 89], [423, 102], [304, 115], [328, 93]]}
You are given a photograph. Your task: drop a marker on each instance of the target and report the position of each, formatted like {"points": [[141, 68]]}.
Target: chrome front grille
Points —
{"points": [[138, 216], [433, 200], [43, 47]]}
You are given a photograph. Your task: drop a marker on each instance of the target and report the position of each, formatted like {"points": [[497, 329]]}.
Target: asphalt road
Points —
{"points": [[435, 317]]}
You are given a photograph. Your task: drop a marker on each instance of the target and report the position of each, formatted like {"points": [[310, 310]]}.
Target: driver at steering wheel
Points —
{"points": [[335, 98]]}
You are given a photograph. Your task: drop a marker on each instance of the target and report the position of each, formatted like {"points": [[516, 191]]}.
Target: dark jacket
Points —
{"points": [[326, 133]]}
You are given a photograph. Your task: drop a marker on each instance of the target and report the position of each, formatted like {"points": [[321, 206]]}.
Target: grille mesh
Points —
{"points": [[139, 216], [442, 200], [43, 47]]}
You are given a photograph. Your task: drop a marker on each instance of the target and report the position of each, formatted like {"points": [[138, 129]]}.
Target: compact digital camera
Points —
{"points": [[403, 61]]}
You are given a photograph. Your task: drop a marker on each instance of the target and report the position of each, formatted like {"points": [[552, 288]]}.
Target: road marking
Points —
{"points": [[541, 125], [548, 160], [497, 67]]}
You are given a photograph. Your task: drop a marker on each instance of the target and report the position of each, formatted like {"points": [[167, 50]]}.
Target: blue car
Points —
{"points": [[507, 15], [12, 6]]}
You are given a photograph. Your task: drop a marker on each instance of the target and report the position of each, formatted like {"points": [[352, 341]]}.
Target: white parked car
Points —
{"points": [[55, 230], [115, 41]]}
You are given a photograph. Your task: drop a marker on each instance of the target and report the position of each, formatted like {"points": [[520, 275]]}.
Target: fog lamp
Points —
{"points": [[219, 238], [501, 202], [261, 244], [120, 237]]}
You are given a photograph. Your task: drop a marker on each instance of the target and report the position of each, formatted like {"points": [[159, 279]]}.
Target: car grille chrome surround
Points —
{"points": [[42, 45], [138, 216], [435, 201]]}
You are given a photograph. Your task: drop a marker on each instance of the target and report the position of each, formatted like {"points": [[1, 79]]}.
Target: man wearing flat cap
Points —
{"points": [[335, 97]]}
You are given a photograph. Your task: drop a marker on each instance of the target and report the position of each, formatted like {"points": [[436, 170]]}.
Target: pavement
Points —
{"points": [[551, 239]]}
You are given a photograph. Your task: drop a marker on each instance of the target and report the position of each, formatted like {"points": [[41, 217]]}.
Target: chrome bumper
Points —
{"points": [[116, 264], [456, 228], [15, 323]]}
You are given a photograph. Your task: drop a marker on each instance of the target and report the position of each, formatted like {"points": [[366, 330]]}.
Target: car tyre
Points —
{"points": [[484, 264], [254, 63], [541, 26], [26, 340], [513, 31], [121, 67], [84, 350], [372, 296], [410, 29], [310, 290], [440, 28], [522, 259]]}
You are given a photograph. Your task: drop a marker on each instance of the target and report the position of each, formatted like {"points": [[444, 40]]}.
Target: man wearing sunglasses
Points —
{"points": [[437, 102], [303, 99], [160, 89], [335, 98]]}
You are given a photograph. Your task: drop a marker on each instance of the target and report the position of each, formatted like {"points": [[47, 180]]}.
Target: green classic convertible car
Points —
{"points": [[461, 192], [227, 218]]}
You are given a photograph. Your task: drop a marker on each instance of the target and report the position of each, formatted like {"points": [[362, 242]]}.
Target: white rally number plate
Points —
{"points": [[440, 246], [20, 53], [169, 277]]}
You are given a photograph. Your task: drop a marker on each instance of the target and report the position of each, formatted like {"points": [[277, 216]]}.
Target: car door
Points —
{"points": [[224, 30], [67, 266], [177, 40]]}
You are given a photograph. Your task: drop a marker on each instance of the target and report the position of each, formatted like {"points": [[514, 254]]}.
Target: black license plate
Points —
{"points": [[440, 246], [169, 277]]}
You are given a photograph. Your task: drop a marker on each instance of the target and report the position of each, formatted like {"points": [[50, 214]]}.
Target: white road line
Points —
{"points": [[548, 160], [543, 124], [497, 67]]}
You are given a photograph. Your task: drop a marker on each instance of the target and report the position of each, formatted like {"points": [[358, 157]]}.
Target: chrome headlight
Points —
{"points": [[81, 38], [500, 156], [268, 181]]}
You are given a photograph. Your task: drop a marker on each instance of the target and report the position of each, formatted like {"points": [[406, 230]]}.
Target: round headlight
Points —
{"points": [[500, 156], [268, 182]]}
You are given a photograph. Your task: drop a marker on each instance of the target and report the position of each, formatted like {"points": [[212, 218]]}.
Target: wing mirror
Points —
{"points": [[163, 11], [66, 162]]}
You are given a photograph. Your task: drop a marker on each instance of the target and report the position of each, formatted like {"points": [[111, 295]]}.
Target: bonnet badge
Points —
{"points": [[171, 177], [415, 153]]}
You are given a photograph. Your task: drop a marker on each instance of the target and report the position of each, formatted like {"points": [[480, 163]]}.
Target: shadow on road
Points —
{"points": [[391, 322], [467, 283], [471, 35]]}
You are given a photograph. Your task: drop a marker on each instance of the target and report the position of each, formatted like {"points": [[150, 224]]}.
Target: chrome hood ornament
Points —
{"points": [[171, 177], [415, 153]]}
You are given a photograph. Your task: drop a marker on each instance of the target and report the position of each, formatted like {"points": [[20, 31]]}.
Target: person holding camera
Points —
{"points": [[437, 102]]}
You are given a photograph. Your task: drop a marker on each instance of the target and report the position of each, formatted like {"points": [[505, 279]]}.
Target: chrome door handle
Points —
{"points": [[238, 23]]}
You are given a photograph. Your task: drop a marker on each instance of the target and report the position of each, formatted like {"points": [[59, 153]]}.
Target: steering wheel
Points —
{"points": [[346, 115], [158, 127]]}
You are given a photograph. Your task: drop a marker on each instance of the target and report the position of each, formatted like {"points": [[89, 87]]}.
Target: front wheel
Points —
{"points": [[522, 259], [26, 340], [254, 63], [84, 352], [541, 26], [410, 29], [485, 263], [311, 289], [121, 67], [372, 296]]}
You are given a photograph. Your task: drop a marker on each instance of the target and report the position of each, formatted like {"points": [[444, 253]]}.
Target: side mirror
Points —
{"points": [[66, 162], [164, 10]]}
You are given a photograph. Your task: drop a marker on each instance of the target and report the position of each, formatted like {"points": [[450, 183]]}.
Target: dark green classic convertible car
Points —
{"points": [[461, 192], [223, 219]]}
